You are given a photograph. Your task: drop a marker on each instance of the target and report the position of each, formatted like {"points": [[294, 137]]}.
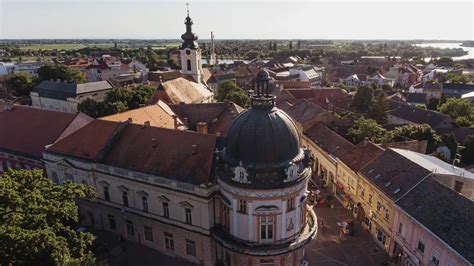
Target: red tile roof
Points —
{"points": [[28, 130], [143, 149], [87, 142], [361, 154], [329, 140], [336, 99]]}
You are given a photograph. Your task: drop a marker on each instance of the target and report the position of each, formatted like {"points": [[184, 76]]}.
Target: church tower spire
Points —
{"points": [[190, 51]]}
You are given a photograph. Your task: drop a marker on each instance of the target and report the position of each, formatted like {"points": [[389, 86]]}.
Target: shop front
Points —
{"points": [[343, 197]]}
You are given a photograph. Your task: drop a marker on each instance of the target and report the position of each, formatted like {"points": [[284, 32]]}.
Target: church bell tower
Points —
{"points": [[190, 52]]}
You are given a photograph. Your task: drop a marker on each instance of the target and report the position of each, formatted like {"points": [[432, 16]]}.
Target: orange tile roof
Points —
{"points": [[158, 115]]}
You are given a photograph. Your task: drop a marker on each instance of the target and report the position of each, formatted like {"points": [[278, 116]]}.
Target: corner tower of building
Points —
{"points": [[263, 175], [190, 52]]}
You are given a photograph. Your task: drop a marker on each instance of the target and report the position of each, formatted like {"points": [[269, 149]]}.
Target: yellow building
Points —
{"points": [[382, 183]]}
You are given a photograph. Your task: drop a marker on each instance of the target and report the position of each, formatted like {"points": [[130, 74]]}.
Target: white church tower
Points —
{"points": [[190, 52]]}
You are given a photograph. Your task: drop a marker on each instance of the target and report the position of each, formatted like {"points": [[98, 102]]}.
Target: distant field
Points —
{"points": [[64, 46]]}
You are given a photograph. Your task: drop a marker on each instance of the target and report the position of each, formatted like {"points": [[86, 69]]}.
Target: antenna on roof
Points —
{"points": [[187, 7]]}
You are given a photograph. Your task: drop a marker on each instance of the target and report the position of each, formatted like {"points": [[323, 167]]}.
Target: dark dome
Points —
{"points": [[263, 75], [262, 138]]}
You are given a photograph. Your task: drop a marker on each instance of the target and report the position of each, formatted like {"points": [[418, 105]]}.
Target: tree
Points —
{"points": [[445, 61], [457, 108], [450, 141], [467, 153], [368, 128], [432, 104], [418, 132], [229, 91], [36, 220], [61, 72], [363, 99], [457, 78], [21, 84], [378, 110]]}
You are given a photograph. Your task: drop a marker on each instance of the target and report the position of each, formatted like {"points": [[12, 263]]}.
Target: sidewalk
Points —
{"points": [[329, 249], [127, 253]]}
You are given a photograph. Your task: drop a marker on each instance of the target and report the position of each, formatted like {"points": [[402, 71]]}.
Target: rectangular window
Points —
{"points": [[400, 229], [112, 224], [148, 233], [370, 200], [166, 210], [290, 204], [266, 228], [242, 206], [421, 246], [266, 262], [106, 194], [169, 242], [189, 218], [145, 204], [458, 186], [190, 247], [387, 215], [129, 225], [379, 206], [381, 237], [125, 198]]}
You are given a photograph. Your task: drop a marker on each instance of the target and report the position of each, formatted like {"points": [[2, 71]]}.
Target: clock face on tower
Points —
{"points": [[188, 52]]}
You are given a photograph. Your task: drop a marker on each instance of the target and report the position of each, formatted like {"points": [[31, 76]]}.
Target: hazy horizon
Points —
{"points": [[238, 20]]}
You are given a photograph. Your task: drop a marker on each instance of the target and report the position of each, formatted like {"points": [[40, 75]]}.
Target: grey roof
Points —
{"points": [[445, 213], [64, 90], [393, 174], [419, 115]]}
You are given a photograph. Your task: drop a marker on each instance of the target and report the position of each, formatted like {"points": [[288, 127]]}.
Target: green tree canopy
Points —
{"points": [[378, 110], [418, 132], [60, 71], [368, 128], [456, 108], [229, 91], [36, 217], [21, 84], [363, 99]]}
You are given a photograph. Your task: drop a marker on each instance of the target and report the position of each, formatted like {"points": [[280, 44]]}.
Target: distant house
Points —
{"points": [[30, 130], [110, 68], [469, 96], [415, 98], [379, 80], [313, 74], [79, 63], [337, 100], [64, 97], [181, 90], [30, 67], [456, 90], [306, 114], [404, 75], [354, 80], [432, 90], [401, 113]]}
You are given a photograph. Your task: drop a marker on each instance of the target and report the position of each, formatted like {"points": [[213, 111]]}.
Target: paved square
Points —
{"points": [[328, 249]]}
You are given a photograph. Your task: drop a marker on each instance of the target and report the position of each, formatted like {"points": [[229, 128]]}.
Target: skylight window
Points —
{"points": [[396, 191]]}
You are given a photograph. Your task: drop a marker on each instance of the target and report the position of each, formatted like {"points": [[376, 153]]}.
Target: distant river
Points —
{"points": [[470, 50]]}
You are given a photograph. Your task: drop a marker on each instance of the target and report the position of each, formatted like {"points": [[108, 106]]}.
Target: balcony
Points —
{"points": [[228, 241]]}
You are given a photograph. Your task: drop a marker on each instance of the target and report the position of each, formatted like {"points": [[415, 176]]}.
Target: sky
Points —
{"points": [[233, 19]]}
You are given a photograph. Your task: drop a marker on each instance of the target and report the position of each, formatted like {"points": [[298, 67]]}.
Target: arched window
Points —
{"points": [[145, 204], [125, 198], [189, 64], [106, 193], [55, 178]]}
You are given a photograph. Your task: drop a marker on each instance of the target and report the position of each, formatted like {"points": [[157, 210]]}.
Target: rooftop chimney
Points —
{"points": [[146, 123], [130, 120], [201, 127]]}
